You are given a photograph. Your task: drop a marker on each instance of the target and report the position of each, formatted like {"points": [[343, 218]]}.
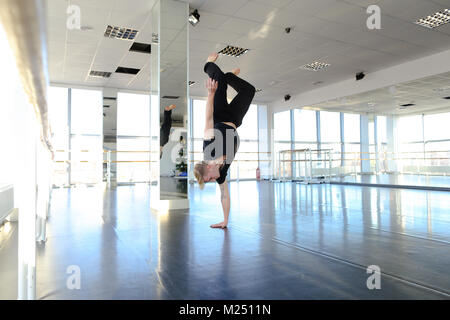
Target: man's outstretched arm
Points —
{"points": [[211, 85], [225, 199]]}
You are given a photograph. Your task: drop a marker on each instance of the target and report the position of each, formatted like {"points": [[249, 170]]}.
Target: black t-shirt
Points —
{"points": [[225, 142]]}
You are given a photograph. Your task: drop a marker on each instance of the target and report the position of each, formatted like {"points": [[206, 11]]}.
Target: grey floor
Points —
{"points": [[284, 241], [398, 179]]}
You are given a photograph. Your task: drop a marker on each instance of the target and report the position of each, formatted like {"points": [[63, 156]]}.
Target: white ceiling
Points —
{"points": [[426, 94], [332, 31]]}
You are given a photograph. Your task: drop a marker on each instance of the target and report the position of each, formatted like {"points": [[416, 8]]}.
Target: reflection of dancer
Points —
{"points": [[222, 119], [165, 128]]}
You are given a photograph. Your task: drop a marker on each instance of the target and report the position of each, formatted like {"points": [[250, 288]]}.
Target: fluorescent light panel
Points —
{"points": [[436, 20], [120, 33]]}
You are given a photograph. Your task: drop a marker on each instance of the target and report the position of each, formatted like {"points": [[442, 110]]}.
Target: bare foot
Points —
{"points": [[236, 71], [221, 225], [213, 57], [171, 107]]}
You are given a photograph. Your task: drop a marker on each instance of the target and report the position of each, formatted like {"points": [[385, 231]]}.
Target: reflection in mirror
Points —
{"points": [[173, 53], [110, 136]]}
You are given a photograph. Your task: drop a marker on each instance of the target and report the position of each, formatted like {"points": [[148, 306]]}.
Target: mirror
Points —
{"points": [[110, 136], [173, 99]]}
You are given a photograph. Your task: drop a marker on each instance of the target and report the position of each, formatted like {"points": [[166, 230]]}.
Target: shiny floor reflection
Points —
{"points": [[284, 241], [419, 180]]}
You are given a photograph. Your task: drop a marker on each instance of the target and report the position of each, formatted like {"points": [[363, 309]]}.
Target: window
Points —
{"points": [[352, 140], [282, 126], [199, 107], [330, 127], [133, 141], [305, 128], [86, 136], [87, 112], [133, 114], [352, 128], [381, 130], [282, 142], [133, 149], [58, 119], [410, 129], [246, 162], [436, 126]]}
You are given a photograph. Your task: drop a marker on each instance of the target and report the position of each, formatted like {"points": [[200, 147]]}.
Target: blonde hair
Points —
{"points": [[199, 170]]}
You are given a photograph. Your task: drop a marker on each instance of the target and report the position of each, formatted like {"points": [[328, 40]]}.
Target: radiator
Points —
{"points": [[6, 200]]}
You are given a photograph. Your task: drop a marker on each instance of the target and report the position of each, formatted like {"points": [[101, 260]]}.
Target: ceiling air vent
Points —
{"points": [[127, 70], [191, 83], [407, 105], [100, 74], [141, 47], [233, 51], [110, 98], [315, 66], [120, 33], [433, 21], [170, 97]]}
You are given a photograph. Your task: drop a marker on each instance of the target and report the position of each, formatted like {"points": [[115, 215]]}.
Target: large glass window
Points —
{"points": [[282, 142], [305, 128], [437, 139], [86, 136], [198, 128], [282, 126], [352, 139], [330, 126], [330, 132], [133, 114], [352, 128], [246, 161], [58, 119], [133, 137], [87, 112], [381, 130], [410, 129]]}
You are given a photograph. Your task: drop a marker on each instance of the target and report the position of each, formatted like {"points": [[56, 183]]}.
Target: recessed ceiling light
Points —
{"points": [[120, 33], [141, 47], [433, 21], [233, 51], [100, 74], [127, 70], [315, 66]]}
